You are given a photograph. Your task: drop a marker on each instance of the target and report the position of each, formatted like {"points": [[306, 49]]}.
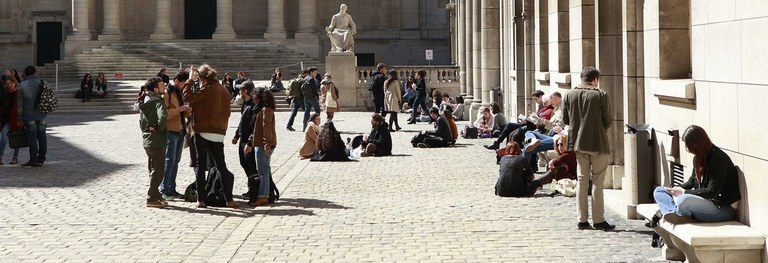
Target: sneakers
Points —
{"points": [[584, 225], [422, 145], [492, 146], [30, 164], [604, 226], [532, 145], [675, 219], [290, 128], [169, 197], [157, 203]]}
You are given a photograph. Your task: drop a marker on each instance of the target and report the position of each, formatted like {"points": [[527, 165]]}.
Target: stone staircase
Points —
{"points": [[141, 60], [121, 99]]}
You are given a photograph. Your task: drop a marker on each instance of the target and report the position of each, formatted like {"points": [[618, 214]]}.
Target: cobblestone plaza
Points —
{"points": [[432, 205]]}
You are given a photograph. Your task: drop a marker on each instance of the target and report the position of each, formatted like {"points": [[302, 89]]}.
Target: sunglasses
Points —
{"points": [[559, 144]]}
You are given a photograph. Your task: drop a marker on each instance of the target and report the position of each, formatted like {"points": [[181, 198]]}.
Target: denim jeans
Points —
{"points": [[692, 205], [4, 140], [265, 171], [172, 157], [295, 105], [508, 129], [547, 143], [418, 101], [38, 143], [310, 104]]}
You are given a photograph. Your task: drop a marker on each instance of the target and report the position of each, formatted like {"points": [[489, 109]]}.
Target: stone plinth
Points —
{"points": [[343, 68]]}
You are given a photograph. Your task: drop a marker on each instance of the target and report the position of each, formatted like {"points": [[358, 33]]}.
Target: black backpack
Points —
{"points": [[514, 177], [308, 90], [214, 190], [253, 184]]}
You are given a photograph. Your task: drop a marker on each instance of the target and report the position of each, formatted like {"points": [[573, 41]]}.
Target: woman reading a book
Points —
{"points": [[711, 191]]}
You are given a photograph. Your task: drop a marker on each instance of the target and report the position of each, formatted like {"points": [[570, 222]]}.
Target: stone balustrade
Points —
{"points": [[444, 78]]}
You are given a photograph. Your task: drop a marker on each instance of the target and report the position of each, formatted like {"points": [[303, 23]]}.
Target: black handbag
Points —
{"points": [[17, 139]]}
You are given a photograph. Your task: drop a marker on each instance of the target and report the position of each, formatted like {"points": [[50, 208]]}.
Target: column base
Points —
{"points": [[275, 35], [111, 37], [474, 110], [80, 36], [225, 36], [161, 36], [307, 35]]}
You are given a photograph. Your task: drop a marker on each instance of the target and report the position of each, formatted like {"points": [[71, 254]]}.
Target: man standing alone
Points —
{"points": [[377, 87], [587, 110]]}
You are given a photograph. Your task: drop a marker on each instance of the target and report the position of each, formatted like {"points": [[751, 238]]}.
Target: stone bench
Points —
{"points": [[728, 241]]}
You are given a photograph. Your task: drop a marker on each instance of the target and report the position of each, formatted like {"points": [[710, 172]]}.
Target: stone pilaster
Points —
{"points": [[307, 19], [582, 34], [490, 44], [468, 52], [477, 83], [111, 21], [276, 18], [461, 45], [81, 17], [163, 30], [224, 29]]}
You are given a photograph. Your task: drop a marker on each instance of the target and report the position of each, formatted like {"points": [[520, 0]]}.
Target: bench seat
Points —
{"points": [[728, 241]]}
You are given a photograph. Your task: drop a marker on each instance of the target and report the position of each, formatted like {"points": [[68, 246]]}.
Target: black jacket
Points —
{"points": [[421, 88], [720, 183], [245, 128], [381, 137], [378, 83], [515, 175], [310, 88], [443, 130]]}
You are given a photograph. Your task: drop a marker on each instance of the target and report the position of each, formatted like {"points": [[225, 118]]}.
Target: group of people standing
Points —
{"points": [[197, 108], [19, 115]]}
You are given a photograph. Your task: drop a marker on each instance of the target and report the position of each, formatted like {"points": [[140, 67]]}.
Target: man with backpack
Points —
{"points": [[32, 118], [310, 89], [177, 124], [296, 99], [377, 87]]}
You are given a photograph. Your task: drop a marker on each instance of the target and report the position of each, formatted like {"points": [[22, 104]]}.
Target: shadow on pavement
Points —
{"points": [[65, 162], [309, 203], [243, 211]]}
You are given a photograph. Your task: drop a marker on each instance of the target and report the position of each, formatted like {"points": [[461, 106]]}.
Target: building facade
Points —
{"points": [[393, 32], [665, 63]]}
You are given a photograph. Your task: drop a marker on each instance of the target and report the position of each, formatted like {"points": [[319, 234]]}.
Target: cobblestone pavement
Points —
{"points": [[436, 205]]}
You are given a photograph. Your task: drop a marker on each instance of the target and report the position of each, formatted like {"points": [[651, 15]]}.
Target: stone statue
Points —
{"points": [[341, 31]]}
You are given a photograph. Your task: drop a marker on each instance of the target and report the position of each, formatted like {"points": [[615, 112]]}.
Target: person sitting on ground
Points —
{"points": [[276, 81], [515, 174], [484, 124], [546, 118], [710, 192], [538, 98], [310, 137], [330, 147], [440, 137], [379, 141], [563, 167], [408, 91], [437, 99], [86, 85], [451, 122], [458, 110], [499, 120]]}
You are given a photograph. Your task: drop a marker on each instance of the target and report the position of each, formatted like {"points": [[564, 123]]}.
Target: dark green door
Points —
{"points": [[49, 40], [199, 19]]}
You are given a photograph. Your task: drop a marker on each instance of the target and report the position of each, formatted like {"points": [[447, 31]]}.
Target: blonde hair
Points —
{"points": [[12, 79], [562, 139], [208, 73]]}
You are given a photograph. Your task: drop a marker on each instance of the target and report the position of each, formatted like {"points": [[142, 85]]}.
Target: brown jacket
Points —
{"points": [[171, 100], [264, 128], [310, 140], [210, 107]]}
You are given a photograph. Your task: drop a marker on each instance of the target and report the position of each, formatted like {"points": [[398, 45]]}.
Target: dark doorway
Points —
{"points": [[49, 38], [199, 19]]}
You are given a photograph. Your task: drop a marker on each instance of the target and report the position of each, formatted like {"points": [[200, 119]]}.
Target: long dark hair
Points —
{"points": [[329, 137], [698, 143], [265, 98], [87, 80]]}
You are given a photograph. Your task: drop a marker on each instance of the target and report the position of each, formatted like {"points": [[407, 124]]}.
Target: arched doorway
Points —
{"points": [[199, 19]]}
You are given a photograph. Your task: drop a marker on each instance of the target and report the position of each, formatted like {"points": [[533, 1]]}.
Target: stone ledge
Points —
{"points": [[725, 235], [562, 79], [542, 77], [680, 90]]}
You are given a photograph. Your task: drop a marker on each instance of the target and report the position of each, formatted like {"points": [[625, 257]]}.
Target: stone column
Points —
{"points": [[490, 49], [163, 29], [224, 29], [111, 21], [307, 19], [451, 8], [468, 60], [276, 18], [582, 34], [81, 11], [558, 38], [477, 83], [460, 43]]}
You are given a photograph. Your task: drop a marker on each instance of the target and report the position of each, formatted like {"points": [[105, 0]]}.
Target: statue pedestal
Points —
{"points": [[343, 68]]}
